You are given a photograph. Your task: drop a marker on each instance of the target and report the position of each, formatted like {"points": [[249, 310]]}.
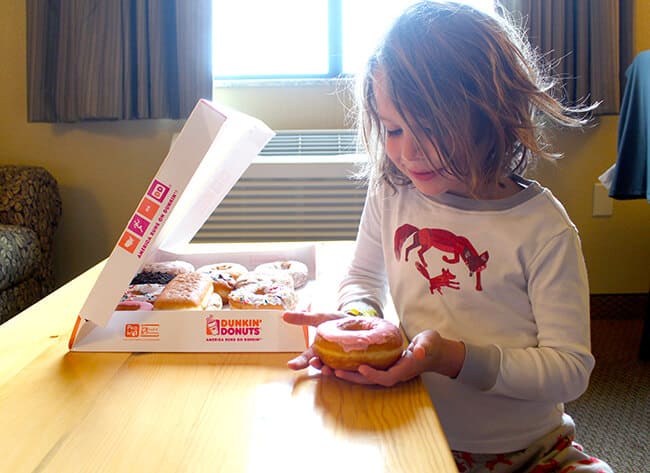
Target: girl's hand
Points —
{"points": [[308, 357], [428, 351]]}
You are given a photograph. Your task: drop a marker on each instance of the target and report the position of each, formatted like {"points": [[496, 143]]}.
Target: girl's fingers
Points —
{"points": [[419, 352], [308, 318], [326, 370], [380, 377], [302, 361], [316, 363], [353, 377]]}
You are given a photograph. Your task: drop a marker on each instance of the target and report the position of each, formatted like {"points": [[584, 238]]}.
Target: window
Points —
{"points": [[287, 39]]}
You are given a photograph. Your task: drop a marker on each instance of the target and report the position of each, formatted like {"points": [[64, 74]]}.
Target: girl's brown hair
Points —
{"points": [[469, 82]]}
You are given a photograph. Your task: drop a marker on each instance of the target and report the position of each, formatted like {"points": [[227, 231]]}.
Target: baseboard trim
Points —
{"points": [[619, 306]]}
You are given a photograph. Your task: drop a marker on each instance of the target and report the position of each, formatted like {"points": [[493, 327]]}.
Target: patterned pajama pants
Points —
{"points": [[555, 452]]}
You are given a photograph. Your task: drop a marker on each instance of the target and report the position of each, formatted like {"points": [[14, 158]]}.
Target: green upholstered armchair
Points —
{"points": [[30, 211]]}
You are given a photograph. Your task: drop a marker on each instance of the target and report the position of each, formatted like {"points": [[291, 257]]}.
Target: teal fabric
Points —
{"points": [[631, 179]]}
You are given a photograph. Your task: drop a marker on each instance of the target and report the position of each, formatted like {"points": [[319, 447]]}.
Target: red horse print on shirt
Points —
{"points": [[459, 247]]}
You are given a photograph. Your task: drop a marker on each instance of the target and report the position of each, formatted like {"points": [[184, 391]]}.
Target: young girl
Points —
{"points": [[484, 267]]}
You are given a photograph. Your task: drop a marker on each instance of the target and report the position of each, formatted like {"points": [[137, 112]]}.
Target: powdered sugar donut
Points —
{"points": [[296, 269], [215, 302], [171, 267], [269, 277], [350, 342], [224, 276]]}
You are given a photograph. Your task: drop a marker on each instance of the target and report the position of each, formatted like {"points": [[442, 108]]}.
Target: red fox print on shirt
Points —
{"points": [[459, 247]]}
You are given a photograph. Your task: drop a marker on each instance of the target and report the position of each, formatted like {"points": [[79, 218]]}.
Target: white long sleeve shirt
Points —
{"points": [[506, 277]]}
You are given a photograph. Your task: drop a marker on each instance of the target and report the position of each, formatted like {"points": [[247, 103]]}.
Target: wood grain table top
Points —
{"points": [[68, 411]]}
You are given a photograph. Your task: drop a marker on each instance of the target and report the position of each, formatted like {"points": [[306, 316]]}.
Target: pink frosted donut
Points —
{"points": [[143, 292], [134, 305], [171, 267], [350, 342]]}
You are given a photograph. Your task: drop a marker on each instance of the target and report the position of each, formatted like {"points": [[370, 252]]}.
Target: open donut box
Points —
{"points": [[212, 151]]}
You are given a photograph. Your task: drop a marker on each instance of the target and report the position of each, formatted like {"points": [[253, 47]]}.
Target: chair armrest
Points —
{"points": [[20, 254], [29, 197]]}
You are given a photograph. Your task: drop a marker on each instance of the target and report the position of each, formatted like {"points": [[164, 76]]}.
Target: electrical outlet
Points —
{"points": [[603, 205]]}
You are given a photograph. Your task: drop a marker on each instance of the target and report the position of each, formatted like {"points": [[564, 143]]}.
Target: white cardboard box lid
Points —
{"points": [[214, 148]]}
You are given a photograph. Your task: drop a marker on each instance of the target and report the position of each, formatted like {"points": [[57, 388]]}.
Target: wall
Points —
{"points": [[103, 168]]}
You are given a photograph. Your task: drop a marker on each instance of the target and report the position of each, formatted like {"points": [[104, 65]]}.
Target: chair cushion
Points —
{"points": [[18, 298], [20, 254]]}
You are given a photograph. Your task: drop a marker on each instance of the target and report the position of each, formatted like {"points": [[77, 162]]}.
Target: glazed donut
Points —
{"points": [[352, 341], [187, 291], [267, 278], [264, 296], [224, 276], [171, 267], [296, 269]]}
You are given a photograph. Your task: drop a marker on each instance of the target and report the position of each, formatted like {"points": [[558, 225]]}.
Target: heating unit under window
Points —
{"points": [[301, 187]]}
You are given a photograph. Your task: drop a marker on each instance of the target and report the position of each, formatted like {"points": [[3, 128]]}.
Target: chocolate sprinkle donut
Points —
{"points": [[152, 278]]}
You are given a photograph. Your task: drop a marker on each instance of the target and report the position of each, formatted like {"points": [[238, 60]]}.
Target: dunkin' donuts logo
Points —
{"points": [[232, 330]]}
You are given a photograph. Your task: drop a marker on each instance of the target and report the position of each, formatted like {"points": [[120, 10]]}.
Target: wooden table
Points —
{"points": [[67, 411]]}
